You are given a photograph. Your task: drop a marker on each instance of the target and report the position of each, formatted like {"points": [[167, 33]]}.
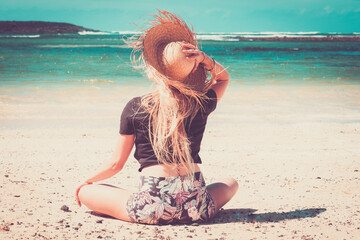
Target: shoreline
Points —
{"points": [[144, 82]]}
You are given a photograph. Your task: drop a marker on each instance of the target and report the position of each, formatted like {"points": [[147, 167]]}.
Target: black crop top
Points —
{"points": [[136, 121]]}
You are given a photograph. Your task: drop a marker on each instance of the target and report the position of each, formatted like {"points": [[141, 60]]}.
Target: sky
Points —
{"points": [[206, 16]]}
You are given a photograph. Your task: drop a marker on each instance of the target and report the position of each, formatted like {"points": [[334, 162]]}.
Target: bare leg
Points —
{"points": [[221, 192], [106, 200]]}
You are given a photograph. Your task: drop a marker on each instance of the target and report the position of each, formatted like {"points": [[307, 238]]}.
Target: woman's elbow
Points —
{"points": [[227, 76], [117, 166]]}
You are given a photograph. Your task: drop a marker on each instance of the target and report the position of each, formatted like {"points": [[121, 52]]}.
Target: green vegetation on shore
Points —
{"points": [[39, 27]]}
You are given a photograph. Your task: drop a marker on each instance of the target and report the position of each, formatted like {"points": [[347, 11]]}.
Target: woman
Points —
{"points": [[166, 127]]}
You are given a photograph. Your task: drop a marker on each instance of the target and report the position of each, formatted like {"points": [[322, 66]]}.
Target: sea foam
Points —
{"points": [[19, 36], [93, 33]]}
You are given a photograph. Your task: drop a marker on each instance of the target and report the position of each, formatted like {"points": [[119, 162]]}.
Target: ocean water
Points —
{"points": [[104, 59]]}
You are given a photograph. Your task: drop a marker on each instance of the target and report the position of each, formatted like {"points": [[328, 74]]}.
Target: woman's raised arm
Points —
{"points": [[221, 77]]}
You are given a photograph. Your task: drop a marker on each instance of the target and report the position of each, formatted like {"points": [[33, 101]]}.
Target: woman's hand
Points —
{"points": [[193, 54], [77, 193], [219, 76]]}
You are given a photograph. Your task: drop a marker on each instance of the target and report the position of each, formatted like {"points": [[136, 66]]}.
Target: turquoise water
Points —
{"points": [[105, 59]]}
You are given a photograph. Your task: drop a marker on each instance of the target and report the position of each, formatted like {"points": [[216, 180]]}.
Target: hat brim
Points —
{"points": [[155, 41], [166, 28]]}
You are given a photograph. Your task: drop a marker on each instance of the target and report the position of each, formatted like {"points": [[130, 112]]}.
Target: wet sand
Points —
{"points": [[294, 150]]}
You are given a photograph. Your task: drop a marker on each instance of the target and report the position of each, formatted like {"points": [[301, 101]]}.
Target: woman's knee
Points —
{"points": [[223, 191], [85, 192], [232, 184]]}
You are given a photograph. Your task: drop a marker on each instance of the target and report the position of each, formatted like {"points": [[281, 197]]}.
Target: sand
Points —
{"points": [[294, 149]]}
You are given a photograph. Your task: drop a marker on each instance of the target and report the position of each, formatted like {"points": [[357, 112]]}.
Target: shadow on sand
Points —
{"points": [[100, 215], [247, 215]]}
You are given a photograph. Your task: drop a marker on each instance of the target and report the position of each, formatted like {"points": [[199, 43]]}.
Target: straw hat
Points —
{"points": [[176, 66], [160, 49]]}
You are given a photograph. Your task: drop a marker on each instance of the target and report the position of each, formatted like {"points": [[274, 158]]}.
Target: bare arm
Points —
{"points": [[117, 160], [113, 165], [221, 77]]}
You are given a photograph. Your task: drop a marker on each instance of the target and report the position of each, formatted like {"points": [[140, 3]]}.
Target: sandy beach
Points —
{"points": [[294, 149]]}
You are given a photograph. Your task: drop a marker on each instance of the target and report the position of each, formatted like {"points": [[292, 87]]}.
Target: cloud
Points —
{"points": [[66, 4], [302, 11], [328, 9], [217, 12]]}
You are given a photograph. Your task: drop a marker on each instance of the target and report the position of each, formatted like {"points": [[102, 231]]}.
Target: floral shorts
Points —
{"points": [[165, 200]]}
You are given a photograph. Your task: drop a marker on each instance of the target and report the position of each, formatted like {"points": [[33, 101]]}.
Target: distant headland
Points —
{"points": [[39, 27]]}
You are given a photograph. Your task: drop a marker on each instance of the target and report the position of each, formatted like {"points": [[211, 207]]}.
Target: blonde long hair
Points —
{"points": [[172, 104]]}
